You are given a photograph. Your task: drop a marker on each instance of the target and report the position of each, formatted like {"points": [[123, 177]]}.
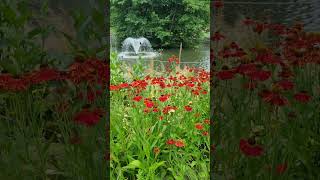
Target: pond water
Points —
{"points": [[189, 56]]}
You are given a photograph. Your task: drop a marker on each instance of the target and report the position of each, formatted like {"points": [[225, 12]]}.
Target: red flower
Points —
{"points": [[137, 98], [234, 45], [205, 133], [123, 85], [149, 104], [207, 121], [44, 75], [168, 108], [285, 73], [302, 97], [170, 142], [188, 108], [285, 84], [114, 88], [259, 28], [217, 37], [246, 68], [281, 168], [179, 143], [250, 150], [163, 98], [268, 58], [273, 98], [225, 74], [8, 83], [87, 117], [199, 126], [204, 92]]}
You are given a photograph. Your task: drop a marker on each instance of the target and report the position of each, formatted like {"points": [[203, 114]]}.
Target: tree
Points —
{"points": [[166, 23]]}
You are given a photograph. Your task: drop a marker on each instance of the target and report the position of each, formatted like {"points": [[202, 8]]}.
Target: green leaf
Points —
{"points": [[34, 32], [155, 166], [134, 164]]}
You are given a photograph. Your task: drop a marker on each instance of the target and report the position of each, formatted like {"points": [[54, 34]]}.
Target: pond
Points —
{"points": [[189, 55]]}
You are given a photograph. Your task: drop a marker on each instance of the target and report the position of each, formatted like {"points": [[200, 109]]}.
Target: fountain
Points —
{"points": [[135, 48]]}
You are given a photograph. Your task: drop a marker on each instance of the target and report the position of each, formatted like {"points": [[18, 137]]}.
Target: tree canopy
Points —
{"points": [[166, 23]]}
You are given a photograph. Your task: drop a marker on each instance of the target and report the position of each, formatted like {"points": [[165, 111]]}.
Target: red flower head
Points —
{"points": [[234, 45], [179, 143], [205, 133], [44, 75], [273, 98], [217, 37], [148, 103], [163, 98], [207, 121], [9, 83], [114, 88], [137, 98], [188, 108], [302, 97], [123, 85], [259, 28], [199, 126], [250, 150], [246, 68], [285, 84], [225, 74], [170, 142]]}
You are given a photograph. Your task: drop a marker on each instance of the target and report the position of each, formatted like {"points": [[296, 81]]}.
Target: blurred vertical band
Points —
{"points": [[211, 91], [107, 15]]}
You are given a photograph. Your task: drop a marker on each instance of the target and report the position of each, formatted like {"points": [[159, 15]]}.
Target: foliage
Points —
{"points": [[147, 113], [40, 136], [267, 115], [165, 23], [19, 50], [116, 69], [91, 38]]}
